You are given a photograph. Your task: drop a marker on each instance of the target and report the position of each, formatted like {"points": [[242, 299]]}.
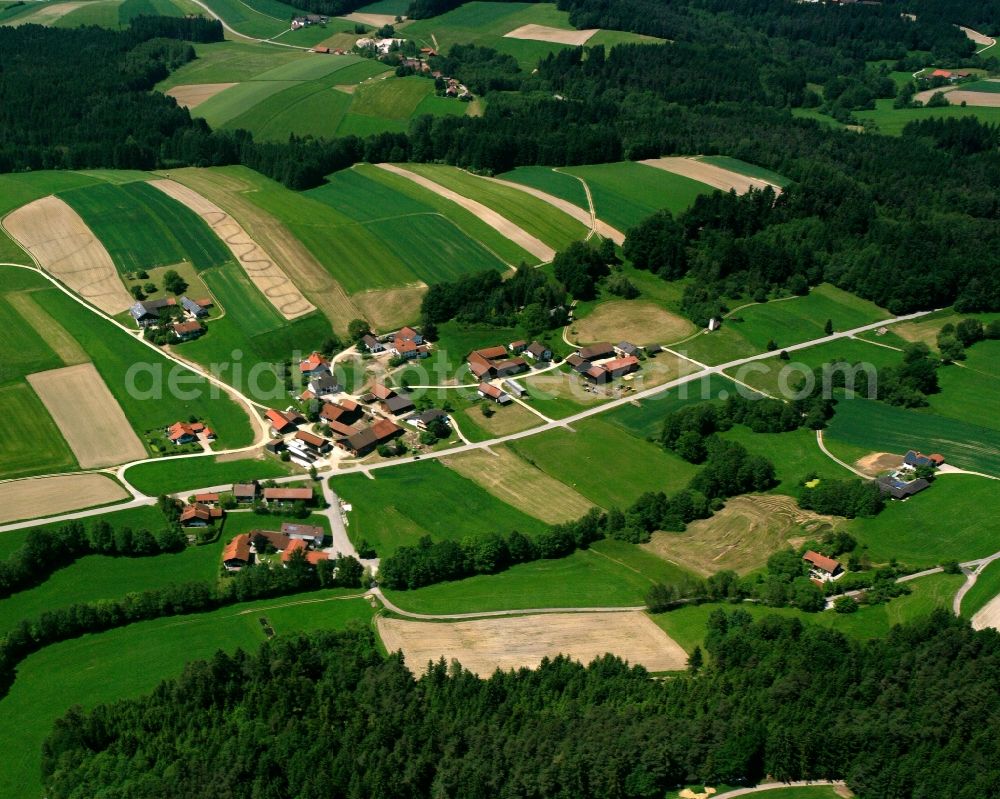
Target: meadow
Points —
{"points": [[607, 465], [971, 391], [886, 428], [142, 228], [535, 216], [986, 587], [794, 455], [231, 61], [34, 445], [388, 105], [625, 193], [268, 19], [558, 184], [743, 168], [608, 574], [132, 661], [171, 475], [407, 502], [891, 121]]}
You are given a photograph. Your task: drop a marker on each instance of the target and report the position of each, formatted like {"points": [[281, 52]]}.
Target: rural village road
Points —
{"points": [[377, 592], [770, 786]]}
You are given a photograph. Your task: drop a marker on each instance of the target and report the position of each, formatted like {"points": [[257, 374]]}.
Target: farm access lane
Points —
{"points": [[235, 32]]}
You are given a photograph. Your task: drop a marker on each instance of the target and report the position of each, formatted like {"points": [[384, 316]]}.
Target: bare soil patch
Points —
{"points": [[878, 462], [980, 99], [259, 265], [741, 536], [637, 321], [297, 261], [712, 175], [388, 309], [88, 416], [375, 20], [517, 483], [48, 496], [543, 33], [506, 228], [194, 94], [988, 615], [56, 336], [62, 244], [484, 645], [976, 36]]}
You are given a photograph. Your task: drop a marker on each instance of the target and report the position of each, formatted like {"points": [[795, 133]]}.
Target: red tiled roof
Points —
{"points": [[384, 428], [821, 562], [382, 392], [237, 549], [314, 361], [297, 545], [349, 405], [620, 363], [206, 497], [309, 438], [316, 556], [205, 302], [288, 493], [341, 429], [244, 490], [280, 420], [492, 353], [490, 391], [407, 333], [307, 395], [187, 327], [941, 73]]}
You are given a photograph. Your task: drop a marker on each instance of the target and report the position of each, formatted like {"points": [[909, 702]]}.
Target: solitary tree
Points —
{"points": [[828, 327], [696, 661]]}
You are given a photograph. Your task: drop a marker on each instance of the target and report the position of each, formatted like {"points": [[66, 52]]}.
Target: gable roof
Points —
{"points": [[340, 428], [245, 490], [324, 383], [282, 420], [536, 349], [237, 549], [183, 328], [370, 341], [296, 545], [594, 351], [398, 404], [429, 416], [313, 362], [620, 363], [308, 530], [206, 497], [491, 391], [382, 392], [492, 353], [821, 562], [310, 439], [288, 493]]}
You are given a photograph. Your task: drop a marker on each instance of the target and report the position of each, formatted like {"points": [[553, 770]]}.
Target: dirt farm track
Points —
{"points": [[49, 496], [484, 645]]}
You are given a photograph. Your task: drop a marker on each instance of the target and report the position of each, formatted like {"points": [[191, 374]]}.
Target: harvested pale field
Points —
{"points": [[543, 33], [46, 15], [506, 228], [55, 335], [604, 230], [980, 99], [709, 174], [49, 496], [927, 94], [259, 265], [988, 615], [88, 416], [194, 94], [484, 645], [976, 36], [873, 465], [375, 20], [512, 418], [387, 309], [301, 265], [741, 536], [517, 483], [62, 244], [637, 321]]}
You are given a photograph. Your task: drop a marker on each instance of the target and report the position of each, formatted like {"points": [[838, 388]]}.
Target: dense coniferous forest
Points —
{"points": [[914, 715]]}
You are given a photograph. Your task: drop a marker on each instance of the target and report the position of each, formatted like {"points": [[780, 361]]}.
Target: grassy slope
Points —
{"points": [[969, 392], [405, 503], [986, 588], [230, 62], [891, 121], [170, 474], [548, 180], [131, 661], [34, 445]]}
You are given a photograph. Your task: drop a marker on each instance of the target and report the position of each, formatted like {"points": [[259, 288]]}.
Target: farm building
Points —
{"points": [[821, 567], [410, 350], [364, 441], [207, 499], [186, 331], [237, 554], [281, 496], [577, 364], [186, 433], [298, 545], [323, 384], [305, 532], [147, 312], [314, 364], [283, 421], [382, 392], [917, 459], [421, 420], [515, 388], [199, 515], [610, 370], [624, 349], [345, 412], [245, 493], [194, 307], [372, 344], [275, 446], [538, 351], [597, 352], [398, 405], [491, 392], [901, 489], [517, 347], [312, 442]]}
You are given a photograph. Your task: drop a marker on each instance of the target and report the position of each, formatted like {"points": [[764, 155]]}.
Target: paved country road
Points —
{"points": [[770, 786]]}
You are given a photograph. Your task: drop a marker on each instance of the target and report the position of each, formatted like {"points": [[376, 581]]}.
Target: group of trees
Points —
{"points": [[848, 498], [355, 724], [953, 340]]}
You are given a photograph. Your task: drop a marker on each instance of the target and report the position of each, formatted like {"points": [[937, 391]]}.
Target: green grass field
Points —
{"points": [[131, 661], [405, 503], [231, 62], [987, 586], [604, 463], [743, 168], [885, 428], [34, 445], [891, 121], [535, 216], [234, 290], [141, 227], [626, 193], [970, 392], [794, 455], [239, 99], [610, 573], [549, 180], [172, 474], [264, 19]]}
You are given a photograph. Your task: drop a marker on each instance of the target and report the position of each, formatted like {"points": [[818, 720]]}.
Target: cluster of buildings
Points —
{"points": [[307, 20], [903, 482], [404, 343], [500, 363], [180, 433], [184, 323], [245, 549], [821, 568], [948, 75], [604, 362], [206, 509], [380, 46]]}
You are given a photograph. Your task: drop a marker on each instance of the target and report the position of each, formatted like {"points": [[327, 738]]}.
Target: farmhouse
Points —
{"points": [[344, 413], [237, 554], [304, 532], [372, 344], [597, 352], [312, 557], [281, 496], [306, 20], [917, 459], [147, 312], [283, 421], [397, 405], [901, 489], [626, 348], [312, 442], [480, 366], [410, 350], [324, 383], [517, 347], [382, 392], [421, 420], [611, 370], [538, 351], [821, 567], [195, 307], [314, 364], [491, 392], [245, 493], [185, 331], [207, 499], [185, 433], [364, 441], [199, 515], [493, 362]]}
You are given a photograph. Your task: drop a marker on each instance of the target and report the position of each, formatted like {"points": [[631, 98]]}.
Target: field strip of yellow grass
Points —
{"points": [[507, 477], [50, 496], [988, 615], [259, 265], [62, 244], [55, 335], [543, 33], [638, 321], [306, 272], [375, 20], [513, 642], [88, 416], [388, 309], [192, 95], [503, 226], [709, 174], [47, 14]]}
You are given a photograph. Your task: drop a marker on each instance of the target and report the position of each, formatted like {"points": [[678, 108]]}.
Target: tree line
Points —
{"points": [[769, 698]]}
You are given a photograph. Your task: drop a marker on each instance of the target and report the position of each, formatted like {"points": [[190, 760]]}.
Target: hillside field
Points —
{"points": [[170, 475]]}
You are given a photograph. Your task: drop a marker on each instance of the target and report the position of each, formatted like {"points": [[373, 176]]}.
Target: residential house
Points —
{"points": [[245, 493], [313, 442], [283, 421], [364, 441], [324, 383], [491, 392], [517, 347], [917, 459], [410, 350], [313, 365], [901, 489], [625, 348], [199, 515], [207, 499], [185, 331], [282, 496], [597, 352], [538, 351], [422, 420], [312, 557], [309, 533], [372, 344], [237, 554], [186, 433], [821, 567], [194, 307], [398, 405]]}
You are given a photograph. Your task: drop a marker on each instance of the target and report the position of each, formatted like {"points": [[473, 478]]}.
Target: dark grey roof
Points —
{"points": [[900, 490], [325, 383], [398, 404], [192, 306], [429, 416]]}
